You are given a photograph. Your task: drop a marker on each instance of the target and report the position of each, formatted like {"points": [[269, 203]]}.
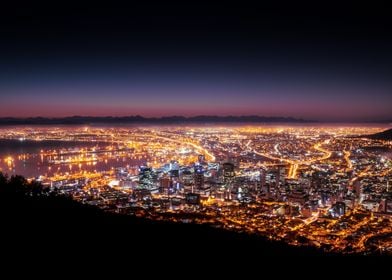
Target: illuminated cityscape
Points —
{"points": [[323, 186], [165, 131]]}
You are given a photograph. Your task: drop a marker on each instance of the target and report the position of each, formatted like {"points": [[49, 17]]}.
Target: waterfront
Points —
{"points": [[323, 186]]}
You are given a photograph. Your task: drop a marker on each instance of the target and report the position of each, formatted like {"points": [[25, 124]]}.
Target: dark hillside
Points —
{"points": [[34, 220]]}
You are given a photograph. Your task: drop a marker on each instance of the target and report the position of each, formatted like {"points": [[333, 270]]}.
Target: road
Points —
{"points": [[294, 165]]}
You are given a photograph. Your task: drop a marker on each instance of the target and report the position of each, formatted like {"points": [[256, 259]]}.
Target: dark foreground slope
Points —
{"points": [[384, 135], [58, 226]]}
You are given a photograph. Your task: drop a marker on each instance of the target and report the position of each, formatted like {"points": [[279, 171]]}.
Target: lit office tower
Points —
{"points": [[199, 177], [324, 197], [201, 159], [262, 178], [228, 172], [174, 169], [339, 209], [145, 178], [165, 183], [277, 177], [358, 188], [187, 178]]}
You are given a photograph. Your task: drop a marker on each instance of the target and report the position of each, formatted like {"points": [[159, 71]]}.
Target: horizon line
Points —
{"points": [[190, 118]]}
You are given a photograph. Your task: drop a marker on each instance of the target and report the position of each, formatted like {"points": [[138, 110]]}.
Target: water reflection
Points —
{"points": [[32, 158]]}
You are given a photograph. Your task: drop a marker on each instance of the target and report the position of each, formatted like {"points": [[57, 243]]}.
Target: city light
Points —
{"points": [[308, 186]]}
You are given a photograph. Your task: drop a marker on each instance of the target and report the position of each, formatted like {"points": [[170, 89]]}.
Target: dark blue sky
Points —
{"points": [[314, 62]]}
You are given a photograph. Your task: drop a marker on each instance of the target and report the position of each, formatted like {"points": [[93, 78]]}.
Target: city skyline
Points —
{"points": [[195, 129], [317, 187]]}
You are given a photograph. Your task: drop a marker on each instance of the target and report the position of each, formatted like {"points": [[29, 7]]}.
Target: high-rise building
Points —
{"points": [[174, 169], [187, 177], [298, 196], [277, 178], [199, 177], [358, 189], [165, 183], [145, 177], [228, 169], [228, 172], [262, 178], [338, 209], [201, 159]]}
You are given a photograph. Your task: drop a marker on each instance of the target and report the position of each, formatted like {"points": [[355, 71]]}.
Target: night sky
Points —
{"points": [[325, 62]]}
